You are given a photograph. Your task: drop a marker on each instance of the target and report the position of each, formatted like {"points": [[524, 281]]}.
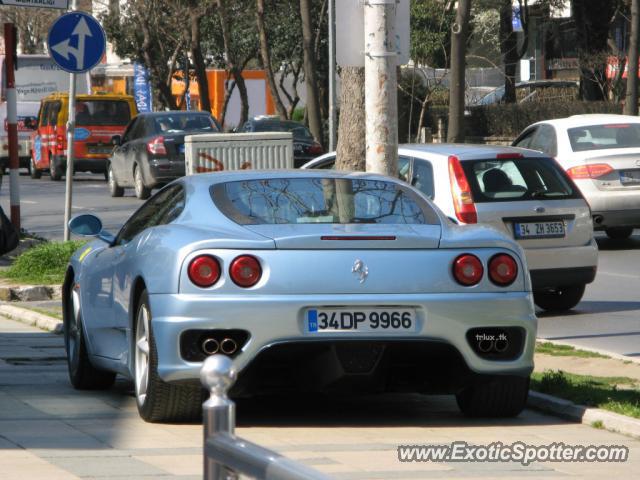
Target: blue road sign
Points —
{"points": [[76, 42]]}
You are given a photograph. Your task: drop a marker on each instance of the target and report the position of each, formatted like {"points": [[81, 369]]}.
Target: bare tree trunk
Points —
{"points": [[351, 151], [313, 102], [266, 60], [631, 98], [196, 54], [459, 31]]}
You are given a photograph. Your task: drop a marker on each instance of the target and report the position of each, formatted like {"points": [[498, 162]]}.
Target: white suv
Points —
{"points": [[521, 192]]}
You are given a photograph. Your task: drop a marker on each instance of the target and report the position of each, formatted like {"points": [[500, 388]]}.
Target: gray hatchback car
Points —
{"points": [[520, 192]]}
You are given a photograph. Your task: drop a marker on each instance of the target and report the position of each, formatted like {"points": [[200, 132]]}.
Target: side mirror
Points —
{"points": [[116, 140], [86, 225]]}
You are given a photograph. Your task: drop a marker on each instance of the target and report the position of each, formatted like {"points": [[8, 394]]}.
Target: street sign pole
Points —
{"points": [[12, 123], [332, 75], [71, 125], [76, 43]]}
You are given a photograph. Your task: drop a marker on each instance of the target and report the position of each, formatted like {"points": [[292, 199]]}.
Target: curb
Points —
{"points": [[613, 422], [30, 317], [606, 353], [30, 293]]}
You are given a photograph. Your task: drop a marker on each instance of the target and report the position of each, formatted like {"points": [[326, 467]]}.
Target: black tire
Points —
{"points": [[499, 397], [619, 233], [82, 374], [158, 401], [559, 299], [33, 171], [114, 189], [142, 191], [54, 173]]}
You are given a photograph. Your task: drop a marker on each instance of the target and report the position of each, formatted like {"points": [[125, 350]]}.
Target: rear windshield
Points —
{"points": [[518, 179], [299, 131], [321, 200], [102, 112], [619, 135], [184, 123]]}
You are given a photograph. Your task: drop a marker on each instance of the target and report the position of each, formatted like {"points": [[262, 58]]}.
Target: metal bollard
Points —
{"points": [[219, 412]]}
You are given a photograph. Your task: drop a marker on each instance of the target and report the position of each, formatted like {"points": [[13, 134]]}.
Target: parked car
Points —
{"points": [[27, 113], [601, 153], [98, 118], [310, 281], [534, 90], [522, 193], [150, 154], [305, 147]]}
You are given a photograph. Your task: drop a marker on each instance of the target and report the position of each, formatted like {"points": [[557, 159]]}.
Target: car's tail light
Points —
{"points": [[245, 271], [155, 146], [204, 271], [60, 142], [315, 149], [467, 269], [509, 156], [503, 269], [461, 192], [595, 170]]}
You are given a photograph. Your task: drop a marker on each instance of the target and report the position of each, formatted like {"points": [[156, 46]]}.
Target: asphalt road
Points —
{"points": [[48, 430], [608, 318]]}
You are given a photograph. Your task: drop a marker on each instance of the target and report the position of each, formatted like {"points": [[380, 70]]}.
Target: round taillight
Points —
{"points": [[204, 271], [503, 269], [467, 269], [245, 271]]}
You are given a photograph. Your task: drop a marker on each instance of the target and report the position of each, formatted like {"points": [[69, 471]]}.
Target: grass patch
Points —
{"points": [[549, 348], [44, 311], [615, 394], [44, 264], [597, 424]]}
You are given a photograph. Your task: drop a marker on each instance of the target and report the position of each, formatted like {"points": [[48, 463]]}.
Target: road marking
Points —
{"points": [[624, 275], [30, 202]]}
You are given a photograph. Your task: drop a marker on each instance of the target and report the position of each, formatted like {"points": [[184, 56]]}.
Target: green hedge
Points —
{"points": [[509, 120]]}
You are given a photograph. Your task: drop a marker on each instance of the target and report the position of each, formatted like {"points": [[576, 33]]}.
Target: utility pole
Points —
{"points": [[381, 102], [459, 29], [631, 97], [71, 125], [332, 75], [12, 122]]}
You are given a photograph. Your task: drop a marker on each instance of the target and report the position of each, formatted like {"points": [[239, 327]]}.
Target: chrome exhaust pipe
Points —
{"points": [[485, 346], [228, 346], [210, 346], [501, 345]]}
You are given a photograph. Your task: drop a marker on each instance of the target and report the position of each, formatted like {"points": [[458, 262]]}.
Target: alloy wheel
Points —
{"points": [[142, 354]]}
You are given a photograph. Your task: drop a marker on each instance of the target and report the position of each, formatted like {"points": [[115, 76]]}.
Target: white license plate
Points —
{"points": [[539, 229], [361, 320], [630, 177]]}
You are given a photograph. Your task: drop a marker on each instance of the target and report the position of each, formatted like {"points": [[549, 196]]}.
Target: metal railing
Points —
{"points": [[225, 455]]}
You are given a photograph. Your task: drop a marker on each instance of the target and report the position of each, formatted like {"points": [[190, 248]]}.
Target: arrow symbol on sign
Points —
{"points": [[64, 49]]}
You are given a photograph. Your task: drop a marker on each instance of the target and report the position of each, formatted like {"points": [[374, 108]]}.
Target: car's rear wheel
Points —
{"points": [[560, 298], [159, 401], [114, 189], [619, 233], [499, 397], [33, 171], [142, 192], [82, 374], [54, 173]]}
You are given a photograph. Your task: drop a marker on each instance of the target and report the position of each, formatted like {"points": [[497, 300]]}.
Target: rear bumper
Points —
{"points": [[562, 258], [158, 171], [616, 218], [95, 165], [280, 320], [562, 277]]}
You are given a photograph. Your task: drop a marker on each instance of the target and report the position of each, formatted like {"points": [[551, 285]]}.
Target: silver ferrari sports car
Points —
{"points": [[314, 281]]}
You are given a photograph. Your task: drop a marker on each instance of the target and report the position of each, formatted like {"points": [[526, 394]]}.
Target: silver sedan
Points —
{"points": [[310, 281]]}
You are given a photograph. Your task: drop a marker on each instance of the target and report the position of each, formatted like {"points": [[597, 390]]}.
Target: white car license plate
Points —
{"points": [[361, 320], [630, 177], [539, 229]]}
